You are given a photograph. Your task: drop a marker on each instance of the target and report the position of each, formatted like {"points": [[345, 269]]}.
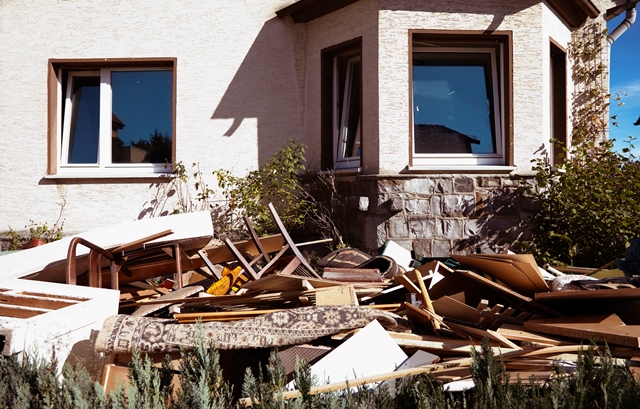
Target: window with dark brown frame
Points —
{"points": [[342, 106], [460, 99]]}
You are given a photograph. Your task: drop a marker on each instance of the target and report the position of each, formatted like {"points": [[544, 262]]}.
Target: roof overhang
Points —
{"points": [[303, 11], [575, 12]]}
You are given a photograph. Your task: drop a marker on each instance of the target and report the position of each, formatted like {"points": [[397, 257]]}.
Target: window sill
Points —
{"points": [[462, 169], [344, 171], [131, 175]]}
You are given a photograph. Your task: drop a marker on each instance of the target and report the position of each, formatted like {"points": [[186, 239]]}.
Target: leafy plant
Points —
{"points": [[277, 181], [35, 231], [589, 213], [589, 209]]}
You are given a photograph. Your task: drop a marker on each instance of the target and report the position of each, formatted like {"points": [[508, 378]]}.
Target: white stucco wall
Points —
{"points": [[238, 96], [247, 81]]}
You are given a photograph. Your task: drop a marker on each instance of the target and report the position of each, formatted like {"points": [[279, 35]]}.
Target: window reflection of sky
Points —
{"points": [[142, 101], [456, 97]]}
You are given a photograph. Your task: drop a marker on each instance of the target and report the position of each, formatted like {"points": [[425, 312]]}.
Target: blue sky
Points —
{"points": [[625, 76]]}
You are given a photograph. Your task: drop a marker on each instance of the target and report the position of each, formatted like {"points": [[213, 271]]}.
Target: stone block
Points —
{"points": [[463, 185], [457, 205], [422, 227], [450, 228], [418, 206], [419, 186], [441, 248], [423, 247], [444, 186], [390, 185], [398, 227], [486, 181]]}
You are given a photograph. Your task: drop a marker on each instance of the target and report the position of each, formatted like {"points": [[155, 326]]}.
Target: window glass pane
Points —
{"points": [[85, 120], [141, 116], [453, 103], [349, 140]]}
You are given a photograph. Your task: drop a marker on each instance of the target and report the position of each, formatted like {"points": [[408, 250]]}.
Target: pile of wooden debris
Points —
{"points": [[352, 316]]}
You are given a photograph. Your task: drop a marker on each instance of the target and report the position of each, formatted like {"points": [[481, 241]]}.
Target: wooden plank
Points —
{"points": [[518, 333], [609, 328], [507, 294], [35, 301], [588, 296], [526, 282], [352, 274], [141, 242], [169, 299], [450, 307], [342, 295], [426, 300], [218, 254]]}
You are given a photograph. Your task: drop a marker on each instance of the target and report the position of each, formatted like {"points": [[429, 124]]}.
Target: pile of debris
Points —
{"points": [[152, 285]]}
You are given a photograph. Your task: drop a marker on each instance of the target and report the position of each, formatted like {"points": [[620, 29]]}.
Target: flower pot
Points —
{"points": [[33, 243]]}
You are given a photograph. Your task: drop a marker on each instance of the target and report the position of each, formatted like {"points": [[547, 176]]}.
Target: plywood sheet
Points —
{"points": [[609, 328], [522, 277]]}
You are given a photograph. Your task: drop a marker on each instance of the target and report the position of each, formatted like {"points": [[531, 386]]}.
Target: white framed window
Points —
{"points": [[346, 115], [458, 100], [113, 121], [341, 129]]}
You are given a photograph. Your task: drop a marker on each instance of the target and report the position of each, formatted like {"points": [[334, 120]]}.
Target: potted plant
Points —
{"points": [[35, 234]]}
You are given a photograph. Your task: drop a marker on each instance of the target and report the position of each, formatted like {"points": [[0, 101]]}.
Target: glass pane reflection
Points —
{"points": [[142, 115], [85, 120], [452, 104]]}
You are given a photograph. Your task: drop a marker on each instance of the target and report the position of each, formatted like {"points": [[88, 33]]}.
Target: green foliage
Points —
{"points": [[598, 381], [35, 231], [201, 382], [591, 211], [265, 389], [149, 386], [277, 181]]}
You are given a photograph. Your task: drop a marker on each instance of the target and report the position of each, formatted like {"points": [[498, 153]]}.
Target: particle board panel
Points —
{"points": [[523, 277], [609, 328]]}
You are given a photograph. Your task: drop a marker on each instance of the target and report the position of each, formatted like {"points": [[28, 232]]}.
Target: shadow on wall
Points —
{"points": [[501, 218], [267, 87]]}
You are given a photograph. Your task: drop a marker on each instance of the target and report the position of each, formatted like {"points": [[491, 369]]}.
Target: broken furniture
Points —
{"points": [[37, 318], [124, 259], [296, 264]]}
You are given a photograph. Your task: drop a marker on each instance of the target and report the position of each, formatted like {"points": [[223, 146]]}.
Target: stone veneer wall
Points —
{"points": [[435, 215]]}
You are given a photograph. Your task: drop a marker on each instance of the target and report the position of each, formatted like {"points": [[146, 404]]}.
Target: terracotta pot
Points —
{"points": [[33, 243]]}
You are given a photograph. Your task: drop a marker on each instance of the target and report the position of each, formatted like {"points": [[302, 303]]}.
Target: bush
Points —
{"points": [[597, 382], [590, 212]]}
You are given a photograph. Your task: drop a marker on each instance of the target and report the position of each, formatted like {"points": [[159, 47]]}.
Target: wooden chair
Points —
{"points": [[295, 264]]}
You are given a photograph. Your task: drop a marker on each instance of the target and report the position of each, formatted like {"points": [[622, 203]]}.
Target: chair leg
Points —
{"points": [[290, 242]]}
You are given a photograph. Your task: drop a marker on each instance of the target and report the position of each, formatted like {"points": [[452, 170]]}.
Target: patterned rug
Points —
{"points": [[124, 333]]}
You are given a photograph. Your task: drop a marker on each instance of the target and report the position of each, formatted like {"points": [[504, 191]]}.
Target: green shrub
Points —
{"points": [[598, 381], [590, 212], [277, 181]]}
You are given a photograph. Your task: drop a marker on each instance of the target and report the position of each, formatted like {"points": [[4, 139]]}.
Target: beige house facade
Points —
{"points": [[99, 98]]}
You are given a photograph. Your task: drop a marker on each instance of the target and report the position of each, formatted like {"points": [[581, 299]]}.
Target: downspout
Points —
{"points": [[630, 18]]}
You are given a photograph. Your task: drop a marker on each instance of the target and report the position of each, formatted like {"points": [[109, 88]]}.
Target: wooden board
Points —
{"points": [[613, 295], [221, 254], [169, 299], [342, 295], [609, 328], [523, 277], [513, 297], [450, 307]]}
